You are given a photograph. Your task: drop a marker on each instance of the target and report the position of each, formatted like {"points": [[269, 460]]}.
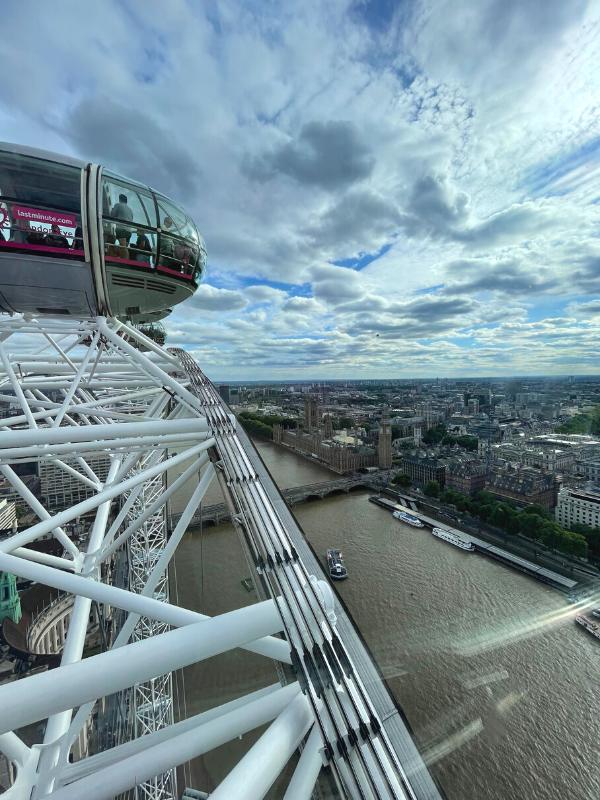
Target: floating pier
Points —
{"points": [[510, 559]]}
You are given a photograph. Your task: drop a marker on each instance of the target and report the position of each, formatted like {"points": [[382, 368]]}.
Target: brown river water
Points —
{"points": [[500, 687]]}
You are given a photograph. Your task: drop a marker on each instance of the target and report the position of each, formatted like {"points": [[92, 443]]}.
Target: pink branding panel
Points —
{"points": [[43, 215]]}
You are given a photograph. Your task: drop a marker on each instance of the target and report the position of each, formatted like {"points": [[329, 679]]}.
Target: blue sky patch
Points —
{"points": [[362, 260], [539, 180], [428, 289]]}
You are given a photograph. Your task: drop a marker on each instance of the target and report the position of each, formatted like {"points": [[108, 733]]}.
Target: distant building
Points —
{"points": [[422, 470], [578, 506], [473, 406], [311, 413], [7, 492], [484, 428], [582, 444], [549, 460], [8, 514], [466, 477], [10, 605], [328, 426], [429, 416], [225, 392], [61, 488], [524, 486], [340, 458], [590, 470], [384, 444]]}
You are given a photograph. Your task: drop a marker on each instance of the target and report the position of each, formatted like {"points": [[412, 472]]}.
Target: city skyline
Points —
{"points": [[409, 379], [384, 188]]}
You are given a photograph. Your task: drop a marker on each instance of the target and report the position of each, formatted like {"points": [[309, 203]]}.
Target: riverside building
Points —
{"points": [[524, 486], [423, 470], [466, 477], [578, 507]]}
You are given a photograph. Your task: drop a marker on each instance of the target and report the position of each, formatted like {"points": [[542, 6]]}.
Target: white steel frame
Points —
{"points": [[86, 387]]}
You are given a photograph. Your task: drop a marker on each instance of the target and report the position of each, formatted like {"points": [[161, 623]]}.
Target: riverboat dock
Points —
{"points": [[391, 505], [544, 574]]}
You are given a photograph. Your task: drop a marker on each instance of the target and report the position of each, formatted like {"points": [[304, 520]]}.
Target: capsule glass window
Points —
{"points": [[126, 201], [38, 182], [40, 205], [174, 220]]}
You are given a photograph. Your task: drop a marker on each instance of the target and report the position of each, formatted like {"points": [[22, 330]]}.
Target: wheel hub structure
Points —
{"points": [[82, 393]]}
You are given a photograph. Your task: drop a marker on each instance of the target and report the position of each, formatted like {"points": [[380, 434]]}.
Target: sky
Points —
{"points": [[386, 189]]}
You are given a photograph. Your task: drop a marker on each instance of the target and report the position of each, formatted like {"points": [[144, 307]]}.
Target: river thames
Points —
{"points": [[499, 685]]}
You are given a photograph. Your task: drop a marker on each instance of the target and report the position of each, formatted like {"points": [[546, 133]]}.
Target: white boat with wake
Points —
{"points": [[335, 564], [453, 538]]}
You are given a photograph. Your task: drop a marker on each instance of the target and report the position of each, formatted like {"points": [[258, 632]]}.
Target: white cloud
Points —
{"points": [[459, 140], [210, 298]]}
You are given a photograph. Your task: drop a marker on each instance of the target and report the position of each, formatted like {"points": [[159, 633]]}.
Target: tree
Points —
{"points": [[249, 418], [537, 510], [432, 489], [346, 422], [574, 543], [533, 522], [530, 525], [401, 479], [435, 435], [513, 522], [583, 423], [499, 516], [468, 442]]}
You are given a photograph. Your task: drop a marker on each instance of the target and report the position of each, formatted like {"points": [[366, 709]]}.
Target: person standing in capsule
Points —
{"points": [[122, 211]]}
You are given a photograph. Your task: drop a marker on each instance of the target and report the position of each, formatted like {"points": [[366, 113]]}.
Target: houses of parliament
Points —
{"points": [[316, 438]]}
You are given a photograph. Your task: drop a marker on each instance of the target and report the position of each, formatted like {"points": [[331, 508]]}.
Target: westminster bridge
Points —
{"points": [[219, 512]]}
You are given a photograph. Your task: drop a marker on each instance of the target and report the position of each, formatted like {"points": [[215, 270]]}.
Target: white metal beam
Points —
{"points": [[271, 753], [302, 784], [40, 437], [140, 604], [172, 746], [14, 748], [108, 493], [87, 766], [35, 505], [65, 687], [58, 723]]}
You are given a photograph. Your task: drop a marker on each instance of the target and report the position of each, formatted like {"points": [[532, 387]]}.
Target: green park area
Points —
{"points": [[587, 423], [257, 424]]}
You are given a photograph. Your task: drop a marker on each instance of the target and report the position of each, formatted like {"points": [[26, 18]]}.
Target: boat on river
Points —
{"points": [[453, 538], [335, 564], [409, 519], [589, 625]]}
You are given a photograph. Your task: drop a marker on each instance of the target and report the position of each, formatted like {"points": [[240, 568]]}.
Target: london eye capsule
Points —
{"points": [[78, 239]]}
